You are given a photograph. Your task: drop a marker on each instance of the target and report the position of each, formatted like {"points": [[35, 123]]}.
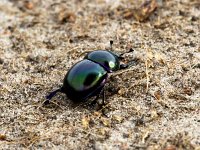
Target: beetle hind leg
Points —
{"points": [[51, 95], [101, 93]]}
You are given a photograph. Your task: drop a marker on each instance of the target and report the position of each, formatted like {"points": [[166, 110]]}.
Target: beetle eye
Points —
{"points": [[111, 64]]}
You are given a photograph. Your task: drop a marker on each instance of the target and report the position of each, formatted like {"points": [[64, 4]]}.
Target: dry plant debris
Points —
{"points": [[147, 8], [143, 12]]}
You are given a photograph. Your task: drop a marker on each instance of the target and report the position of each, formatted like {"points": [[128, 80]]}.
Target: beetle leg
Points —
{"points": [[95, 100], [52, 94], [124, 66], [129, 64], [104, 96], [100, 93]]}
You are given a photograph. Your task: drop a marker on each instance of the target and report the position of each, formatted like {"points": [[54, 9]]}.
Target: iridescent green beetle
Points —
{"points": [[87, 78]]}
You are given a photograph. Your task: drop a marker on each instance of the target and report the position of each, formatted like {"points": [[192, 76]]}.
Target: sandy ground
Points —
{"points": [[155, 104]]}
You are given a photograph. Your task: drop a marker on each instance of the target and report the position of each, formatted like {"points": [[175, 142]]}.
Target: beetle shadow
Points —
{"points": [[61, 101]]}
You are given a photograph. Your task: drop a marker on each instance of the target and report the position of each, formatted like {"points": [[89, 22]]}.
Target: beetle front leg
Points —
{"points": [[121, 57], [123, 66], [129, 64]]}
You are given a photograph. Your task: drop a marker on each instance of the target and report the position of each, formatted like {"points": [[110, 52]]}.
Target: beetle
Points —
{"points": [[87, 77]]}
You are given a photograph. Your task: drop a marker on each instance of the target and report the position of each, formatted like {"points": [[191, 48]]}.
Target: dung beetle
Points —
{"points": [[87, 77]]}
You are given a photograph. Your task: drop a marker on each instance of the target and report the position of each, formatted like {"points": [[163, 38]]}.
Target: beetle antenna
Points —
{"points": [[111, 43], [52, 94]]}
